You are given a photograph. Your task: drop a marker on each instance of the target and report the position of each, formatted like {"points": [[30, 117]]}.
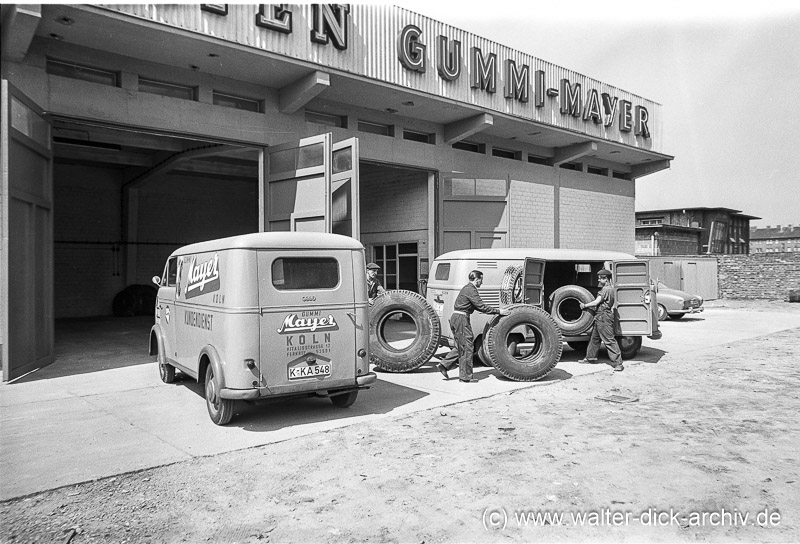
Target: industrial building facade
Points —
{"points": [[130, 130]]}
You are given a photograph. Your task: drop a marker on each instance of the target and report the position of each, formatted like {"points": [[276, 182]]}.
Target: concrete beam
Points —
{"points": [[164, 164], [18, 26], [645, 169], [297, 94], [458, 130], [572, 152]]}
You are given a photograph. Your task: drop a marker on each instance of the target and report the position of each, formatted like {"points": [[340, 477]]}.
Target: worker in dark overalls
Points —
{"points": [[603, 324], [467, 302]]}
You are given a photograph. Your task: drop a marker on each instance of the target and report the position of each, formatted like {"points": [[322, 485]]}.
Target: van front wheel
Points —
{"points": [[220, 410], [345, 399]]}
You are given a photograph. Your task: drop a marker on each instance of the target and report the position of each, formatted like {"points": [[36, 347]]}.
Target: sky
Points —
{"points": [[727, 75]]}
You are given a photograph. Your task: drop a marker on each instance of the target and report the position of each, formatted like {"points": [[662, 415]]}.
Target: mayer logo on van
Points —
{"points": [[294, 323], [202, 278]]}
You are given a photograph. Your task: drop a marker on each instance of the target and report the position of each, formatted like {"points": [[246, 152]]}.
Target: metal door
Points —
{"points": [[532, 282], [345, 218], [308, 319], [26, 255], [166, 314], [311, 185], [632, 293]]}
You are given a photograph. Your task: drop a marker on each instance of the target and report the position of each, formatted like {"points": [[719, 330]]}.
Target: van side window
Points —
{"points": [[443, 271], [296, 273], [172, 272]]}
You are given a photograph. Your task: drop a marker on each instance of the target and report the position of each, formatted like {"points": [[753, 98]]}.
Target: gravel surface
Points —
{"points": [[706, 450]]}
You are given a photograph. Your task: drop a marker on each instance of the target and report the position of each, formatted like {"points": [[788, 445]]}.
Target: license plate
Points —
{"points": [[309, 371]]}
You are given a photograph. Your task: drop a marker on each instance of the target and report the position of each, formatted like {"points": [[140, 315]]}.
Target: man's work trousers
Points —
{"points": [[604, 331], [462, 333]]}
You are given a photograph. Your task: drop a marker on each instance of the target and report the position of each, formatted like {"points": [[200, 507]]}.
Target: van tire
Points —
{"points": [[165, 370], [389, 359], [345, 399], [511, 291], [220, 410], [563, 303], [546, 353], [629, 346]]}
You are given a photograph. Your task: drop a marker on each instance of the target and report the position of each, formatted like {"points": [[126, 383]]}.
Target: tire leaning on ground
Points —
{"points": [[425, 343], [565, 309], [629, 346], [220, 410], [542, 334]]}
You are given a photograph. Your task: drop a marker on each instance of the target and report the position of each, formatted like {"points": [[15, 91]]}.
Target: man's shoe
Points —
{"points": [[587, 361], [619, 368], [443, 370]]}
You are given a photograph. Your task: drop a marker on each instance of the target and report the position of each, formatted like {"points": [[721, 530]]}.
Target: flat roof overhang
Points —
{"points": [[112, 32]]}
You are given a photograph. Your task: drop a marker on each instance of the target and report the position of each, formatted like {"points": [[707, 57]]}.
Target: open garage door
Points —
{"points": [[311, 185], [26, 263]]}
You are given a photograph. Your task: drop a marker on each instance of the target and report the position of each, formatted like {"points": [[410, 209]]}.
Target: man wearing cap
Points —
{"points": [[603, 324], [374, 287], [467, 302]]}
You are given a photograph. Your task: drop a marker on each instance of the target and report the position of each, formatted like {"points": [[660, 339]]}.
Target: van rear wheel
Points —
{"points": [[220, 410], [345, 399], [629, 346]]}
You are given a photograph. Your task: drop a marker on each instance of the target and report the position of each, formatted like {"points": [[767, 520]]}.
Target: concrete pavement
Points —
{"points": [[85, 418]]}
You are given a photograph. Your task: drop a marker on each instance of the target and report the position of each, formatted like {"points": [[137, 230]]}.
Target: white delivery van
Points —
{"points": [[275, 314], [555, 281]]}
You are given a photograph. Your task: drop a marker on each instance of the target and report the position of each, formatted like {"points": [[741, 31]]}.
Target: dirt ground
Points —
{"points": [[707, 452]]}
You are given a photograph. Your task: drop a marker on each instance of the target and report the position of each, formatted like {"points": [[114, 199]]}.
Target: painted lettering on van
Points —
{"points": [[294, 324], [202, 278]]}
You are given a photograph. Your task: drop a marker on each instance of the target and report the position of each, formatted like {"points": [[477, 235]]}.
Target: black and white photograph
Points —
{"points": [[425, 272]]}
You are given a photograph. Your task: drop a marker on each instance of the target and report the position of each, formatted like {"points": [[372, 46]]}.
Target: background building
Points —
{"points": [[130, 130], [774, 239], [692, 231]]}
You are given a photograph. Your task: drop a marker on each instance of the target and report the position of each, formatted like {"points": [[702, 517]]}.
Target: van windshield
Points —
{"points": [[304, 273]]}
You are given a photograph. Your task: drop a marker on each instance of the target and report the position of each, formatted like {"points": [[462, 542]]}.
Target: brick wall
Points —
{"points": [[597, 221], [394, 206], [531, 214], [758, 276]]}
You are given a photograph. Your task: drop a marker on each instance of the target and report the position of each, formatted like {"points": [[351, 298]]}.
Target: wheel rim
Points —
{"points": [[529, 348], [211, 392], [662, 313], [516, 293]]}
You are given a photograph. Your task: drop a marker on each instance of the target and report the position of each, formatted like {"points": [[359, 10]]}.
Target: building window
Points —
{"points": [[620, 175], [422, 137], [597, 171], [475, 187], [506, 153], [165, 89], [656, 221], [571, 166], [470, 146], [399, 265], [338, 121], [538, 160], [375, 128], [236, 102], [84, 73]]}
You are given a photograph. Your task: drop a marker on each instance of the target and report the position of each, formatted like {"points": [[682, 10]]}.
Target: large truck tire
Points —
{"points": [[566, 311], [537, 359], [511, 286], [388, 358]]}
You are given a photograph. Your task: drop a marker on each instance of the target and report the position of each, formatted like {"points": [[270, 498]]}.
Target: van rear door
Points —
{"points": [[307, 323], [633, 299], [532, 283]]}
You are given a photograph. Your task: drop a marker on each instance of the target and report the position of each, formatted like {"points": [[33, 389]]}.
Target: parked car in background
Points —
{"points": [[675, 304]]}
